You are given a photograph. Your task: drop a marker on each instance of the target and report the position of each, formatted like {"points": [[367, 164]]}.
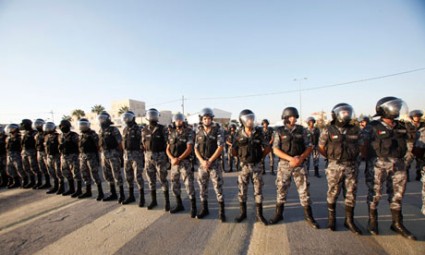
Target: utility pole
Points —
{"points": [[183, 105], [53, 117], [299, 80]]}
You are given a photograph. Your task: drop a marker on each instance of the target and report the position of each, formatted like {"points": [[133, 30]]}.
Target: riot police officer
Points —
{"points": [[14, 158], [208, 148], [29, 154], [251, 147], [154, 140], [314, 134], [412, 129], [419, 150], [111, 147], [339, 143], [268, 134], [389, 144], [89, 158], [292, 145], [367, 154], [4, 181], [51, 145], [133, 157], [229, 141], [41, 155], [179, 148]]}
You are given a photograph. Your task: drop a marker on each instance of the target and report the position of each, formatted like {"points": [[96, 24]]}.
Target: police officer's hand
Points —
{"points": [[205, 164], [175, 161], [295, 161]]}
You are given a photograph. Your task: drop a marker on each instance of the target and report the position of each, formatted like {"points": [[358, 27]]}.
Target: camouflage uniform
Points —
{"points": [[41, 152], [213, 139], [230, 138], [313, 135], [420, 155], [68, 146], [154, 142], [89, 157], [110, 138], [250, 154], [268, 134], [29, 154], [365, 140], [133, 155], [51, 144], [282, 141], [14, 158], [3, 158]]}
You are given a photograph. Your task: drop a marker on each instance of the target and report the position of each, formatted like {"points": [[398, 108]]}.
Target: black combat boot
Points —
{"points": [[264, 169], [272, 170], [31, 182], [398, 227], [9, 181], [61, 188], [131, 198], [407, 172], [55, 187], [3, 181], [78, 192], [308, 216], [221, 215], [349, 220], [24, 183], [418, 174], [71, 189], [260, 217], [193, 209], [179, 207], [15, 184], [113, 196], [142, 198], [331, 216], [316, 172], [278, 216], [372, 226], [153, 203], [87, 193], [121, 198], [39, 181], [47, 184], [100, 194], [204, 210], [167, 201], [242, 215]]}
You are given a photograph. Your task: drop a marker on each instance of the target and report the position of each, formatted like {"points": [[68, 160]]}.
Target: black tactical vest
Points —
{"points": [[52, 144], [67, 145], [387, 142], [250, 148], [292, 143], [154, 140], [28, 141], [178, 141], [268, 134], [88, 142], [411, 131], [39, 141], [3, 144], [13, 143], [107, 139], [207, 143], [314, 135], [132, 138], [343, 147]]}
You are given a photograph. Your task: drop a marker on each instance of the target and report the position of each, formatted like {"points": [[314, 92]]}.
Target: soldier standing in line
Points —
{"points": [[367, 154], [51, 145], [4, 181], [419, 150], [179, 148], [89, 159], [133, 157], [314, 134], [229, 141], [110, 140], [412, 130], [389, 144], [29, 154], [209, 145], [292, 145], [14, 158], [340, 144], [268, 134], [41, 155], [251, 147], [154, 140]]}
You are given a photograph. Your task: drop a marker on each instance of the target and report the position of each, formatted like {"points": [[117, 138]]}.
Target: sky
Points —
{"points": [[64, 55]]}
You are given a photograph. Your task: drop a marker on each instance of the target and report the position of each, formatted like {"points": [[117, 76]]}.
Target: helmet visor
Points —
{"points": [[83, 125], [128, 117], [396, 108], [248, 120], [344, 113], [152, 115]]}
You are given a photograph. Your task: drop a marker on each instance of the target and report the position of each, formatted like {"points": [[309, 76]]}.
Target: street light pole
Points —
{"points": [[299, 80]]}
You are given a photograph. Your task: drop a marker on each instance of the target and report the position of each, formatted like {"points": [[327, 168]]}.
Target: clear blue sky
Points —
{"points": [[63, 55]]}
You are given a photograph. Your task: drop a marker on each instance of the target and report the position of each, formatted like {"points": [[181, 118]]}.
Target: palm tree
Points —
{"points": [[123, 109], [97, 108], [66, 117], [78, 113]]}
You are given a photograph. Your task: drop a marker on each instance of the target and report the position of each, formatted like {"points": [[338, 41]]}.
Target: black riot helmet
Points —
{"points": [[342, 113], [26, 124], [390, 107], [416, 113], [247, 118], [49, 127], [265, 121], [65, 126], [128, 117], [152, 115], [310, 119], [206, 112], [178, 117], [365, 119], [290, 111], [104, 119], [38, 124], [83, 125], [12, 128], [1, 129]]}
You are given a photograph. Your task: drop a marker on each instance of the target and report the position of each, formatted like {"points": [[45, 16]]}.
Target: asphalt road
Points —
{"points": [[32, 222]]}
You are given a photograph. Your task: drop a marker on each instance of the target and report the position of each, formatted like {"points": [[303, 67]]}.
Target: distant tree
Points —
{"points": [[123, 109], [97, 108], [78, 113], [67, 117]]}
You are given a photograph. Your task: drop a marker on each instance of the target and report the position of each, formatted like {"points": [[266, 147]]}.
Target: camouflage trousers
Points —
{"points": [[393, 171], [156, 166], [71, 167], [29, 162], [422, 165], [283, 182], [368, 175], [231, 159], [409, 157], [184, 170], [54, 166], [270, 155], [314, 155], [89, 166], [3, 164], [133, 166], [111, 164], [216, 175], [338, 174], [14, 165], [42, 162], [251, 172]]}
